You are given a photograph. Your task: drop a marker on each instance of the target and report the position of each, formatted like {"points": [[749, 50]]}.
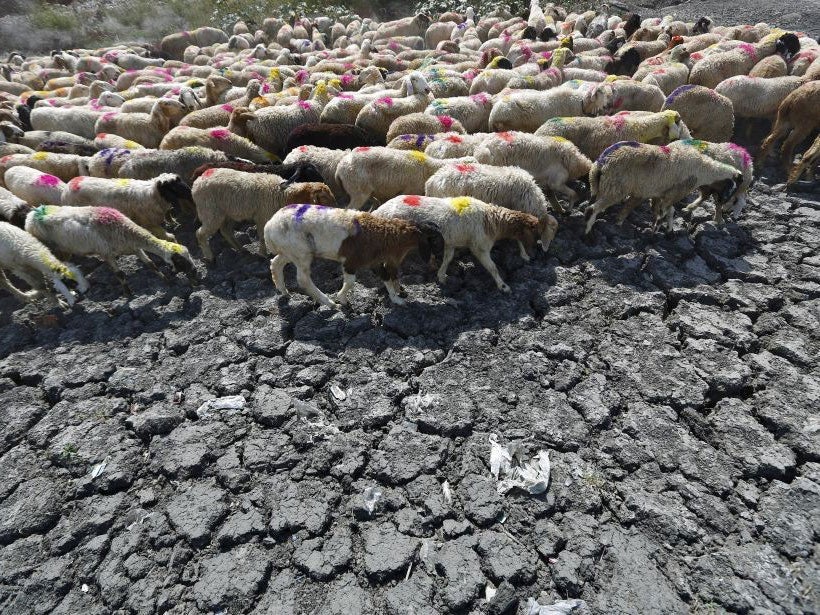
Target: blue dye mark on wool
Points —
{"points": [[677, 92], [300, 212], [614, 148], [420, 140]]}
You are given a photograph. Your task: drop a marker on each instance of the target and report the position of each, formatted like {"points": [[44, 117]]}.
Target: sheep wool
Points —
{"points": [[708, 115]]}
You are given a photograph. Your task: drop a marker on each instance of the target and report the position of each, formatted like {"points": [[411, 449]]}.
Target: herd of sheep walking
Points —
{"points": [[462, 130]]}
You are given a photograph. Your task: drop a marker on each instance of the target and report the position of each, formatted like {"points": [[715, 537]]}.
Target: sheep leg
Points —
{"points": [[160, 232], [591, 212], [795, 138], [523, 251], [63, 290], [226, 230], [449, 252], [695, 204], [203, 236], [120, 276], [151, 264], [16, 292], [630, 205], [82, 283], [277, 272], [778, 132], [358, 201], [389, 274], [305, 281], [343, 295], [571, 195], [483, 256], [554, 202]]}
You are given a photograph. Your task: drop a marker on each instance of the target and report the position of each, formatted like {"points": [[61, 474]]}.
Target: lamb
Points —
{"points": [[771, 66], [709, 116], [383, 173], [27, 258], [303, 172], [797, 117], [631, 171], [592, 135], [220, 139], [80, 121], [472, 111], [552, 161], [225, 196], [107, 141], [182, 162], [755, 97], [508, 187], [13, 209], [298, 233], [106, 233], [727, 153], [422, 123], [807, 163], [629, 95], [526, 111], [331, 136], [64, 166], [417, 142], [34, 186], [146, 129], [376, 116], [465, 222], [323, 160], [451, 145], [145, 202]]}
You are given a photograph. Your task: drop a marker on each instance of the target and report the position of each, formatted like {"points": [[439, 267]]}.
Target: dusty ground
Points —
{"points": [[674, 381]]}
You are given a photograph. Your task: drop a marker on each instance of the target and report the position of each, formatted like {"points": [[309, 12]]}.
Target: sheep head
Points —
{"points": [[416, 84], [110, 99], [547, 228], [787, 45], [189, 98], [702, 25], [173, 190], [598, 99]]}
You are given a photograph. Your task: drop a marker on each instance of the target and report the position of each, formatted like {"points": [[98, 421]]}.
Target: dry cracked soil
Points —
{"points": [[674, 381]]}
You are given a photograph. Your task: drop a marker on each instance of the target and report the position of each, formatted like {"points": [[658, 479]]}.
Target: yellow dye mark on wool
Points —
{"points": [[131, 144], [611, 78], [274, 74], [420, 157], [123, 182], [39, 156], [460, 204], [560, 139], [56, 266]]}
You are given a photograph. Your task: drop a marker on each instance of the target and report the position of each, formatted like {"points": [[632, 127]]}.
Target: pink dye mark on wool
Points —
{"points": [[74, 184], [618, 121], [302, 76], [176, 91], [454, 139], [361, 150], [345, 96], [48, 180], [526, 51], [385, 100], [347, 79], [749, 50], [744, 155], [465, 168], [347, 65], [220, 133], [505, 136], [393, 46], [228, 108], [208, 172], [303, 149], [446, 121], [265, 88], [665, 149], [304, 104], [481, 98], [107, 117], [108, 215], [94, 104]]}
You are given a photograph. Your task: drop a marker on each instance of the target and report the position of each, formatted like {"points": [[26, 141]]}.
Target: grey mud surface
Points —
{"points": [[674, 380]]}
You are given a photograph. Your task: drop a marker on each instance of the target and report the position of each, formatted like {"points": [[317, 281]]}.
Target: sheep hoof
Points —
{"points": [[588, 213], [504, 288], [441, 279], [398, 301]]}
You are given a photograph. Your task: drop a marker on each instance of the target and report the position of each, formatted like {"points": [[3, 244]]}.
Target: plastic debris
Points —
{"points": [[100, 467], [371, 497], [489, 591], [511, 471], [562, 607], [84, 588], [448, 495], [338, 393], [232, 402]]}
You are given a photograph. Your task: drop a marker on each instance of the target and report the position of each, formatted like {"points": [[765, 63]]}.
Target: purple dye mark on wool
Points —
{"points": [[678, 91], [614, 148], [301, 210], [420, 139]]}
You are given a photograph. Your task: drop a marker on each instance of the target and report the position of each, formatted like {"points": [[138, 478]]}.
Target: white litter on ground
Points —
{"points": [[510, 471]]}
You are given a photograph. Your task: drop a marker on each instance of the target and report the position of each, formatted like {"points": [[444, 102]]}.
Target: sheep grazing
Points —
{"points": [[709, 116], [146, 129], [298, 233], [552, 161], [632, 172], [376, 116], [592, 135], [508, 187], [145, 202], [797, 117], [383, 172], [220, 139], [754, 97], [324, 160], [331, 136], [422, 123], [226, 196], [526, 111], [25, 256], [106, 233], [13, 209], [465, 222], [810, 159], [34, 186]]}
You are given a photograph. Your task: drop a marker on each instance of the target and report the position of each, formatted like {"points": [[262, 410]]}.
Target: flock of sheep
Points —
{"points": [[462, 130]]}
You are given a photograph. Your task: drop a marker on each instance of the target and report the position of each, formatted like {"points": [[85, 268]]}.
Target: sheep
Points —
{"points": [[629, 95], [325, 161], [417, 142], [80, 121], [465, 222], [755, 97], [807, 163], [13, 209], [26, 257], [383, 173], [592, 135], [105, 141], [64, 166], [146, 129], [631, 171], [552, 161], [173, 45], [34, 138], [472, 111], [218, 112], [298, 233], [422, 123], [106, 233], [303, 172], [182, 162], [108, 162], [727, 153], [771, 66], [145, 202], [220, 139], [713, 69], [451, 145], [526, 111], [409, 26], [508, 187], [34, 186], [224, 196], [709, 116], [331, 136], [668, 77], [797, 117], [376, 116]]}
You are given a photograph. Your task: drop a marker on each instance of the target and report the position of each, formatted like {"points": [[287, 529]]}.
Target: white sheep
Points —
{"points": [[527, 110], [64, 166], [708, 115], [106, 233], [472, 111], [451, 145], [80, 121], [592, 135], [552, 161], [629, 95], [508, 187], [108, 162], [225, 196], [34, 186], [30, 260], [668, 77], [148, 164], [13, 209], [422, 123], [299, 233], [220, 139], [632, 172], [376, 116], [146, 129], [145, 202], [757, 97], [325, 160], [465, 222]]}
